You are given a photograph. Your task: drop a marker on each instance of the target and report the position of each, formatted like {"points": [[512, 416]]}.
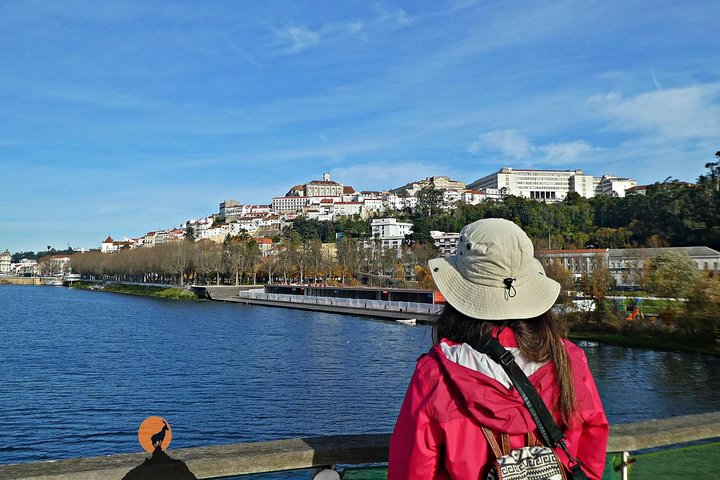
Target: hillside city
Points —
{"points": [[327, 200]]}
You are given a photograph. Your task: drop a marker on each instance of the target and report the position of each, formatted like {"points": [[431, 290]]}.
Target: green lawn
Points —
{"points": [[695, 462]]}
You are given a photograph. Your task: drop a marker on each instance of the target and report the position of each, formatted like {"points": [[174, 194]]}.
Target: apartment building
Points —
{"points": [[445, 242]]}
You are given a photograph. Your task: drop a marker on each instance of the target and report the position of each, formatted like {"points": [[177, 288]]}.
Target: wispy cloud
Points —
{"points": [[676, 113], [396, 16], [512, 144], [296, 38], [292, 38], [509, 143], [565, 153]]}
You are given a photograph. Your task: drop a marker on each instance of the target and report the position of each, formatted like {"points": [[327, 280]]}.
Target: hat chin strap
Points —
{"points": [[510, 291]]}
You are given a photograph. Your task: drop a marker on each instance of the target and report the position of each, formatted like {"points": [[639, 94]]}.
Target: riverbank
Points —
{"points": [[13, 280], [653, 342], [637, 340], [174, 293]]}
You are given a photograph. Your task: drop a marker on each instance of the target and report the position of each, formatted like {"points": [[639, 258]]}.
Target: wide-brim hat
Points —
{"points": [[494, 274]]}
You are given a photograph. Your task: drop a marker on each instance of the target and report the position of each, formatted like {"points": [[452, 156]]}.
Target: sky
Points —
{"points": [[122, 117]]}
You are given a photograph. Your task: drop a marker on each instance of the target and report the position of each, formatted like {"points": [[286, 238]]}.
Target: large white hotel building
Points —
{"points": [[551, 185]]}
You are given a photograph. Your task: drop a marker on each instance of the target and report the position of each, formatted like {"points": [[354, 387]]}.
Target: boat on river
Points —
{"points": [[407, 321]]}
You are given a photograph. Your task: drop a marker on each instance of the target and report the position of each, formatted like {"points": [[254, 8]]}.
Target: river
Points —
{"points": [[80, 370]]}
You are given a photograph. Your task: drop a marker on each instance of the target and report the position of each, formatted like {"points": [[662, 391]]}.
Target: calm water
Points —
{"points": [[80, 370]]}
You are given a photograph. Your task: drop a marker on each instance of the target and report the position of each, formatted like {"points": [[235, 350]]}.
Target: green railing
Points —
{"points": [[305, 453]]}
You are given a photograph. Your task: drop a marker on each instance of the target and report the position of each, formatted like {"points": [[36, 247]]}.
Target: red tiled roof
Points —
{"points": [[348, 189], [108, 240]]}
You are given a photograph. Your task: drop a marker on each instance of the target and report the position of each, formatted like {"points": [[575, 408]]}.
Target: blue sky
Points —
{"points": [[121, 117]]}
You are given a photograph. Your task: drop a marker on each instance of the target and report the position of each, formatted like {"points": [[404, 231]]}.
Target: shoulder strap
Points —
{"points": [[549, 430]]}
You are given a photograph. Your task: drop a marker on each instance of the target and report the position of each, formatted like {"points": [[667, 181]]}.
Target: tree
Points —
{"points": [[430, 201], [557, 271], [702, 308], [597, 283], [672, 274], [253, 253], [178, 257], [190, 234], [236, 255]]}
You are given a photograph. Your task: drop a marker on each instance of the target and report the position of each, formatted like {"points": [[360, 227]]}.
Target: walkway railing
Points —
{"points": [[382, 305], [304, 453]]}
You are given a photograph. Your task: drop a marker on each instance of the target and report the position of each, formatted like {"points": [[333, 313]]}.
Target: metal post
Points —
{"points": [[624, 470]]}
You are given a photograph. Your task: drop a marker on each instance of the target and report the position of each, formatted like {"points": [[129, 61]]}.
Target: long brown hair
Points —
{"points": [[538, 339]]}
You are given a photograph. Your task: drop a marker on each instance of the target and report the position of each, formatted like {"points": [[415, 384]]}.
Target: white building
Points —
{"points": [[626, 265], [347, 209], [397, 202], [389, 233], [372, 206], [439, 182], [547, 185], [614, 186], [389, 228], [473, 197], [446, 242], [232, 209], [5, 261], [289, 204]]}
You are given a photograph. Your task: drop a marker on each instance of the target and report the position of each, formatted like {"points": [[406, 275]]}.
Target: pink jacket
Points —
{"points": [[437, 434]]}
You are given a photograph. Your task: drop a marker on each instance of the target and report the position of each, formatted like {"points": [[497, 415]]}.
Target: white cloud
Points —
{"points": [[398, 16], [564, 153], [296, 38], [516, 146], [677, 113], [510, 143]]}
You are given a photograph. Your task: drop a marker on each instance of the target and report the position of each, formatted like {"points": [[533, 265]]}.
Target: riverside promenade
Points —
{"points": [[421, 312]]}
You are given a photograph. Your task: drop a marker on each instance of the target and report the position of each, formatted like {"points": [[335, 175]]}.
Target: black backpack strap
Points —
{"points": [[547, 427]]}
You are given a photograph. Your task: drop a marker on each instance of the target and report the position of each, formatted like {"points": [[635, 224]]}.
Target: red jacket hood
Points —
{"points": [[488, 401]]}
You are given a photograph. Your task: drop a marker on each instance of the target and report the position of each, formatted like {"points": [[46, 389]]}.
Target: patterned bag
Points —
{"points": [[534, 462]]}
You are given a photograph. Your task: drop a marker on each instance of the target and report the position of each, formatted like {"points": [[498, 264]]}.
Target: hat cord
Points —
{"points": [[510, 291]]}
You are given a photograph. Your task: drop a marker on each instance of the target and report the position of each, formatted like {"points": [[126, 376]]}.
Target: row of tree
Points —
{"points": [[239, 260]]}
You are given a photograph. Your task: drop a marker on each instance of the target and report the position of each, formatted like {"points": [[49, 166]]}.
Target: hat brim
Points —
{"points": [[534, 293]]}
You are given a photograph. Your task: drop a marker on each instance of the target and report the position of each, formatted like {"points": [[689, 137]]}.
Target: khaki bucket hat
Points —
{"points": [[494, 274]]}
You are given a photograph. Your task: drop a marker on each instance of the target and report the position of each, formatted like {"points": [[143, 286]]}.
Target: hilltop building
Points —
{"points": [[614, 186], [439, 183], [5, 261], [548, 185]]}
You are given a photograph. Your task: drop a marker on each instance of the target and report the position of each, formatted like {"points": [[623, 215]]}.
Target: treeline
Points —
{"points": [[239, 260]]}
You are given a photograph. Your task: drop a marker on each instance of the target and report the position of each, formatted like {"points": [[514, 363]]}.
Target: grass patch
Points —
{"points": [[174, 293]]}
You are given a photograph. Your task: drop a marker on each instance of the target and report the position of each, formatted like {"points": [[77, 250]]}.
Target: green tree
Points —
{"points": [[597, 284], [672, 274], [430, 201]]}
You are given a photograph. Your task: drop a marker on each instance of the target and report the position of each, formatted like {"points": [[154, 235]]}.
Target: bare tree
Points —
{"points": [[179, 257]]}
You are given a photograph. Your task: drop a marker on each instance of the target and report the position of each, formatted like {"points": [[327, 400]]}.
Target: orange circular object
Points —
{"points": [[154, 432]]}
